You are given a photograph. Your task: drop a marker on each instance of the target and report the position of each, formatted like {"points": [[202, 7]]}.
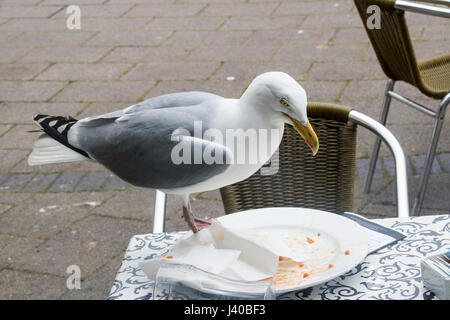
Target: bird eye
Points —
{"points": [[284, 102]]}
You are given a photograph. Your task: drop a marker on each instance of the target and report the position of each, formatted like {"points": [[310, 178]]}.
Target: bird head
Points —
{"points": [[284, 99]]}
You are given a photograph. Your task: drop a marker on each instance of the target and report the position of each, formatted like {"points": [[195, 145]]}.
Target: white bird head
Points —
{"points": [[283, 98]]}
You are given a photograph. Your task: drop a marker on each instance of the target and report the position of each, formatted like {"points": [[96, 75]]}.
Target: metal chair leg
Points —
{"points": [[376, 148], [440, 115], [159, 215]]}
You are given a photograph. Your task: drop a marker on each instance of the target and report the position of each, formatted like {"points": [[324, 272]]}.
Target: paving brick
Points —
{"points": [[445, 161], [110, 10], [263, 23], [418, 163], [338, 71], [18, 137], [80, 166], [351, 35], [224, 88], [331, 20], [320, 53], [323, 90], [415, 139], [24, 111], [96, 286], [144, 1], [137, 203], [88, 244], [4, 207], [8, 55], [209, 37], [28, 90], [5, 128], [248, 71], [19, 285], [369, 89], [40, 182], [164, 10], [98, 108], [171, 71], [62, 54], [83, 71], [14, 246], [19, 3], [92, 181], [69, 2], [313, 7], [34, 25], [224, 9], [113, 24], [11, 158], [185, 23], [3, 177], [148, 54], [104, 91], [290, 36], [114, 183], [15, 182], [6, 39], [130, 38], [44, 215], [362, 167], [51, 39], [232, 53], [21, 71], [436, 32], [67, 181], [438, 185], [27, 12]]}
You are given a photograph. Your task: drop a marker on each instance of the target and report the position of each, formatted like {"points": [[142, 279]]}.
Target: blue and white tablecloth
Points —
{"points": [[392, 272]]}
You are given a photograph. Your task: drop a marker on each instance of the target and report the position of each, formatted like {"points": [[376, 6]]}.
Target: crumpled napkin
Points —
{"points": [[224, 252]]}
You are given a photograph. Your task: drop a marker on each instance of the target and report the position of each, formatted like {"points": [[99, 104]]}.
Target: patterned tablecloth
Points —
{"points": [[392, 272]]}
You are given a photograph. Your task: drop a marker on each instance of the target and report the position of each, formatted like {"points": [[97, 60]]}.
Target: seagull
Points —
{"points": [[177, 143]]}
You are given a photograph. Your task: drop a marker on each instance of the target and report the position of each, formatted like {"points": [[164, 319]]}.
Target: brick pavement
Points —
{"points": [[128, 50]]}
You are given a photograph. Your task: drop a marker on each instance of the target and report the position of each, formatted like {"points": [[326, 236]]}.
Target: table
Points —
{"points": [[392, 272]]}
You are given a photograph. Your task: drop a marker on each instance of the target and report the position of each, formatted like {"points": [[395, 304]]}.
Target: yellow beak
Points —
{"points": [[307, 134]]}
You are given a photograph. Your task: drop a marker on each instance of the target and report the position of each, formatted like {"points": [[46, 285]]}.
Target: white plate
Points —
{"points": [[334, 244]]}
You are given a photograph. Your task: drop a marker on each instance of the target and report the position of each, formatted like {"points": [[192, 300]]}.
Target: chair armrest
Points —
{"points": [[399, 157], [424, 8], [159, 215]]}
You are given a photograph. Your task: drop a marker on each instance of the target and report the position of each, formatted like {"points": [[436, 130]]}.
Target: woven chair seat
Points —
{"points": [[435, 74]]}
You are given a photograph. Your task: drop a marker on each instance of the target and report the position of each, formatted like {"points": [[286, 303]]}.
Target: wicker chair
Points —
{"points": [[394, 50], [323, 182]]}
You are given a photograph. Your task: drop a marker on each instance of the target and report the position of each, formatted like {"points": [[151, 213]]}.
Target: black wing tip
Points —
{"points": [[40, 116]]}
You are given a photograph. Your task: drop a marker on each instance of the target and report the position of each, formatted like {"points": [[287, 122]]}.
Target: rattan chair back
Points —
{"points": [[324, 182]]}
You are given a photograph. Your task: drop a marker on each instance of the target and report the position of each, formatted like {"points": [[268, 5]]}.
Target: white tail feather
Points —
{"points": [[47, 150]]}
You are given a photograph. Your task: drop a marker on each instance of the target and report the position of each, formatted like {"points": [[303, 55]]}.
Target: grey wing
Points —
{"points": [[172, 100], [141, 148]]}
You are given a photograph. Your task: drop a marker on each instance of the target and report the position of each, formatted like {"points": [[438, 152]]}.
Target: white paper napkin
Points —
{"points": [[221, 251]]}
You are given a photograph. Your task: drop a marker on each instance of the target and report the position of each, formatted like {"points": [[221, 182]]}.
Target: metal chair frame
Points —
{"points": [[358, 118], [438, 115]]}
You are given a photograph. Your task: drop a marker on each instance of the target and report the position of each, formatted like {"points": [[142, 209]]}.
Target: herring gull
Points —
{"points": [[156, 143]]}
